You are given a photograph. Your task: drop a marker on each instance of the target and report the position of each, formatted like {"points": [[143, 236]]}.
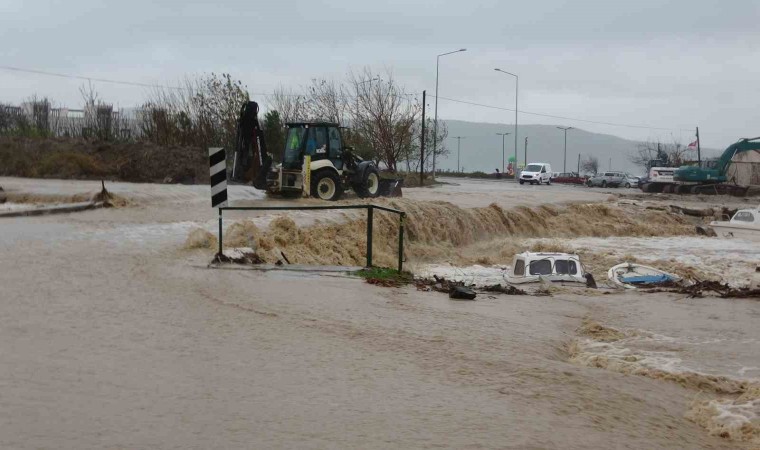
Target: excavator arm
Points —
{"points": [[251, 162], [744, 145]]}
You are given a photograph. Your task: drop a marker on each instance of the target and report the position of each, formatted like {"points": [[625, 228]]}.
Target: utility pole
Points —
{"points": [[579, 164], [459, 141], [564, 161], [699, 150], [526, 152], [422, 144], [610, 166]]}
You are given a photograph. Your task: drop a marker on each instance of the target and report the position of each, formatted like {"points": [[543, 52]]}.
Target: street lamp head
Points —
{"points": [[454, 51]]}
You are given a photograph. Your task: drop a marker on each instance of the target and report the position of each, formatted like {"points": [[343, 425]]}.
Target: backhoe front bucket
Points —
{"points": [[391, 187]]}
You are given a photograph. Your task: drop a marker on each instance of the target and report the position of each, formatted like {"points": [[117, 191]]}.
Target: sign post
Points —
{"points": [[306, 188]]}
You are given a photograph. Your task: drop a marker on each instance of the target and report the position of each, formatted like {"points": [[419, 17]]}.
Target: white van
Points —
{"points": [[536, 173]]}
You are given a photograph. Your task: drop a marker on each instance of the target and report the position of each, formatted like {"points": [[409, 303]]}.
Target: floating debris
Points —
{"points": [[700, 288]]}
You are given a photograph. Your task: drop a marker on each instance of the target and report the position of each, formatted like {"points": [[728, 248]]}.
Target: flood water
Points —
{"points": [[115, 336]]}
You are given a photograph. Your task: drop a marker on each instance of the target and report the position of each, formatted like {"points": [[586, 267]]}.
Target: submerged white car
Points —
{"points": [[530, 267], [536, 173], [744, 225]]}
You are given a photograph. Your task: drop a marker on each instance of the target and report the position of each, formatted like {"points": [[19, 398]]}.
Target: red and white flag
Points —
{"points": [[693, 146]]}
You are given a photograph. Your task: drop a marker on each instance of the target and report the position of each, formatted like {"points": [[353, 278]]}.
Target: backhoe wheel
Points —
{"points": [[325, 185], [370, 185]]}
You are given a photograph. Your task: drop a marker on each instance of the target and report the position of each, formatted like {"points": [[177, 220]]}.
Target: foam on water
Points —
{"points": [[730, 260], [734, 414]]}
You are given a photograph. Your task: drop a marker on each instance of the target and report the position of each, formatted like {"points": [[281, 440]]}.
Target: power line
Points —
{"points": [[79, 77], [263, 94], [558, 117]]}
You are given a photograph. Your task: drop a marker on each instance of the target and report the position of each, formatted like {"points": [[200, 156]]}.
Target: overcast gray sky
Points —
{"points": [[667, 64]]}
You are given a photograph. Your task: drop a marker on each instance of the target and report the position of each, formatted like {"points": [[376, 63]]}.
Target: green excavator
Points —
{"points": [[701, 179]]}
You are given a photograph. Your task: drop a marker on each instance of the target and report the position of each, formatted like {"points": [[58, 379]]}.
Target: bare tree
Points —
{"points": [[412, 158], [202, 112], [383, 115], [326, 101], [290, 104], [673, 154], [590, 165]]}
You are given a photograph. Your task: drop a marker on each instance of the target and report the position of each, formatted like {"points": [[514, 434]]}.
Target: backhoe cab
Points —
{"points": [[333, 167]]}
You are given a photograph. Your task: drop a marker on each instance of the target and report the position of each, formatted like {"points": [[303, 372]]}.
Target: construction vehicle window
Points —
{"points": [[335, 144], [321, 141], [293, 144], [311, 142]]}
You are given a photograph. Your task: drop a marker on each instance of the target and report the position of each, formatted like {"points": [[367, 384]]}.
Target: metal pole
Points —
{"points": [[459, 142], [370, 211], [435, 122], [503, 162], [220, 232], [564, 160], [699, 150], [422, 143], [401, 242], [579, 164], [526, 151], [517, 89]]}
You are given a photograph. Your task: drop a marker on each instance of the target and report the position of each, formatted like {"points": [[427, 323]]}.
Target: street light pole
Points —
{"points": [[459, 141], [435, 122], [564, 161], [503, 162], [517, 89]]}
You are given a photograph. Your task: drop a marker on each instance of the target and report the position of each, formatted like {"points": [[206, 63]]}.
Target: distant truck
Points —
{"points": [[699, 179]]}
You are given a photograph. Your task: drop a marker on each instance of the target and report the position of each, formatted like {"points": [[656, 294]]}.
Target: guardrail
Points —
{"points": [[370, 219]]}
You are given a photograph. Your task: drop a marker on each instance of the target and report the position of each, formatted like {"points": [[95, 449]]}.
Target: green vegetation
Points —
{"points": [[385, 277]]}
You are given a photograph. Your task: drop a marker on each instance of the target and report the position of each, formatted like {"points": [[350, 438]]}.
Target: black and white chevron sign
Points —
{"points": [[217, 160]]}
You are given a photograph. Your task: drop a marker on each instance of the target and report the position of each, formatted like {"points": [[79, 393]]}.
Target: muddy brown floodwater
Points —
{"points": [[116, 336]]}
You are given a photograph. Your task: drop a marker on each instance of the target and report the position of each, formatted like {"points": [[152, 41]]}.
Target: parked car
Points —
{"points": [[569, 178], [536, 173], [606, 179], [631, 181]]}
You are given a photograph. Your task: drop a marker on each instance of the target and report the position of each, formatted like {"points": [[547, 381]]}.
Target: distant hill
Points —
{"points": [[481, 147]]}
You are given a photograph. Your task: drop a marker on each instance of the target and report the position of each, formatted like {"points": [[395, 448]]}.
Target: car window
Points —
{"points": [[608, 174], [744, 216], [542, 267], [520, 267]]}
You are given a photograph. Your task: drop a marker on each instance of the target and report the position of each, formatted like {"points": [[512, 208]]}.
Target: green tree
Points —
{"points": [[274, 134]]}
